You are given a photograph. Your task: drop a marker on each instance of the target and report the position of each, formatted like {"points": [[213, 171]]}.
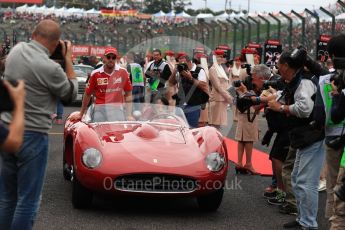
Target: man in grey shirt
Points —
{"points": [[22, 174]]}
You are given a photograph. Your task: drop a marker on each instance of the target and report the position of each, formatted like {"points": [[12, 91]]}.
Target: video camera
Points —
{"points": [[6, 104]]}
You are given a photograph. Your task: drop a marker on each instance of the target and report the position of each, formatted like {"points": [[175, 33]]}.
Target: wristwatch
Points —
{"points": [[281, 109]]}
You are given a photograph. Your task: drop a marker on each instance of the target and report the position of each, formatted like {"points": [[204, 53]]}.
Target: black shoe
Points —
{"points": [[270, 195], [288, 209], [279, 199], [292, 225]]}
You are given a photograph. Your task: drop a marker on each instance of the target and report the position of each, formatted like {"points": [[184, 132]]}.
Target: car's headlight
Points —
{"points": [[92, 158], [215, 161]]}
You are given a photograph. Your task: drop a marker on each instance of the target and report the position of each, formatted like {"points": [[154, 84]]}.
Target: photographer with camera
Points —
{"points": [[192, 88], [296, 101], [158, 72], [22, 173], [335, 119], [11, 138]]}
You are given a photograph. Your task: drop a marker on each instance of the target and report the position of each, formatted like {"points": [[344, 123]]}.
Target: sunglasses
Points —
{"points": [[111, 57]]}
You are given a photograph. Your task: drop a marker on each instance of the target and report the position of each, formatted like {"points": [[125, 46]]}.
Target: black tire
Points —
{"points": [[81, 196], [66, 171], [211, 202]]}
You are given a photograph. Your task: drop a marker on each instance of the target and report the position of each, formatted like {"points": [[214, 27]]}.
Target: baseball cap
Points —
{"points": [[111, 50]]}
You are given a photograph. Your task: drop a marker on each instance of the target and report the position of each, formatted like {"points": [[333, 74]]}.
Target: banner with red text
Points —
{"points": [[23, 1]]}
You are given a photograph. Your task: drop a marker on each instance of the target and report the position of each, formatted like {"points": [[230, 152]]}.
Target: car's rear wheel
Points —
{"points": [[212, 201], [81, 196]]}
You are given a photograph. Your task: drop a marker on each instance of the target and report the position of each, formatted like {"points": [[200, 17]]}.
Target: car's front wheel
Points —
{"points": [[212, 201], [81, 196]]}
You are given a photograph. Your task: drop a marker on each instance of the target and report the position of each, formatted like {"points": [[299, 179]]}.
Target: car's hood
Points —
{"points": [[140, 132]]}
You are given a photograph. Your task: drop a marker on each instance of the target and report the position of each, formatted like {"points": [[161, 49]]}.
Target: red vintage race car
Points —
{"points": [[151, 151]]}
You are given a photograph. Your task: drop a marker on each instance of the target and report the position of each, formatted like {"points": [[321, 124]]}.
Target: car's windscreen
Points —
{"points": [[136, 112]]}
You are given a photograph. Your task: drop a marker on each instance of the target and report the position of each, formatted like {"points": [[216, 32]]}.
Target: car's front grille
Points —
{"points": [[155, 183], [81, 87]]}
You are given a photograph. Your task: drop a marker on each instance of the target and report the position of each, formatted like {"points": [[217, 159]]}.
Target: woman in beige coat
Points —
{"points": [[219, 96]]}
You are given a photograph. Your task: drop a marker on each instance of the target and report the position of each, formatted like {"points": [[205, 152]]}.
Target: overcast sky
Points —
{"points": [[263, 5]]}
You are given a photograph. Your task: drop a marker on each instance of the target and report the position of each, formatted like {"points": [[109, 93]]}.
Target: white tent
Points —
{"points": [[159, 14], [223, 16], [21, 9], [40, 10], [201, 15], [92, 12], [171, 14], [31, 9], [61, 12], [183, 15], [50, 10], [340, 16], [233, 15]]}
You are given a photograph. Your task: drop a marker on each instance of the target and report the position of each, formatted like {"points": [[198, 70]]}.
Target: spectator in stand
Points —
{"points": [[45, 81]]}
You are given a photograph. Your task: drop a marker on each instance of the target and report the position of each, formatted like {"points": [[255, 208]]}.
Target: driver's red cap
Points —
{"points": [[111, 50]]}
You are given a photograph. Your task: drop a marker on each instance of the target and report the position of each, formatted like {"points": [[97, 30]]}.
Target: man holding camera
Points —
{"points": [[297, 103], [192, 88], [335, 103], [158, 72], [22, 174]]}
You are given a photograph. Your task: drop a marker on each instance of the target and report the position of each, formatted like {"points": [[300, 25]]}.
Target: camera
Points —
{"points": [[247, 67], [6, 101], [58, 56], [248, 82], [182, 67]]}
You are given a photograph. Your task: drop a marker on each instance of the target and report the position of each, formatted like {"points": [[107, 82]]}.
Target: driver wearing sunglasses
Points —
{"points": [[108, 84]]}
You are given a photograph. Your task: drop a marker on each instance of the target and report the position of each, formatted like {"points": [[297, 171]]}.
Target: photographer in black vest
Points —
{"points": [[158, 73], [192, 88], [336, 49], [296, 101]]}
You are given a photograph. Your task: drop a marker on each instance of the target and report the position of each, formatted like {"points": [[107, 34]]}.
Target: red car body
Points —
{"points": [[159, 157]]}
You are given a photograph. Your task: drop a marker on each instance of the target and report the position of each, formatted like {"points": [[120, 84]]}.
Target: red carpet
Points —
{"points": [[260, 160]]}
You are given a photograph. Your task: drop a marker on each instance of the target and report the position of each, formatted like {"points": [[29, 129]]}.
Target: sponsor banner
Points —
{"points": [[119, 13], [80, 50], [97, 50], [24, 1], [273, 50], [321, 49]]}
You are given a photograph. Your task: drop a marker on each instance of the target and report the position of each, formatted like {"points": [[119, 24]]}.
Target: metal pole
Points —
{"points": [[226, 31], [249, 32], [242, 32], [219, 33], [268, 26], [333, 18], [290, 28], [257, 28], [341, 3], [303, 25], [317, 33], [234, 40], [279, 24]]}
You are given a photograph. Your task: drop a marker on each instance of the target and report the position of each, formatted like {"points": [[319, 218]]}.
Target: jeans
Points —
{"points": [[59, 110], [138, 94], [305, 182], [21, 182], [192, 114]]}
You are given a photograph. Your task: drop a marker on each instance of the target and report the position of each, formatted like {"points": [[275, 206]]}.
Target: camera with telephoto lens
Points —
{"points": [[6, 104], [58, 56], [182, 67], [248, 82]]}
